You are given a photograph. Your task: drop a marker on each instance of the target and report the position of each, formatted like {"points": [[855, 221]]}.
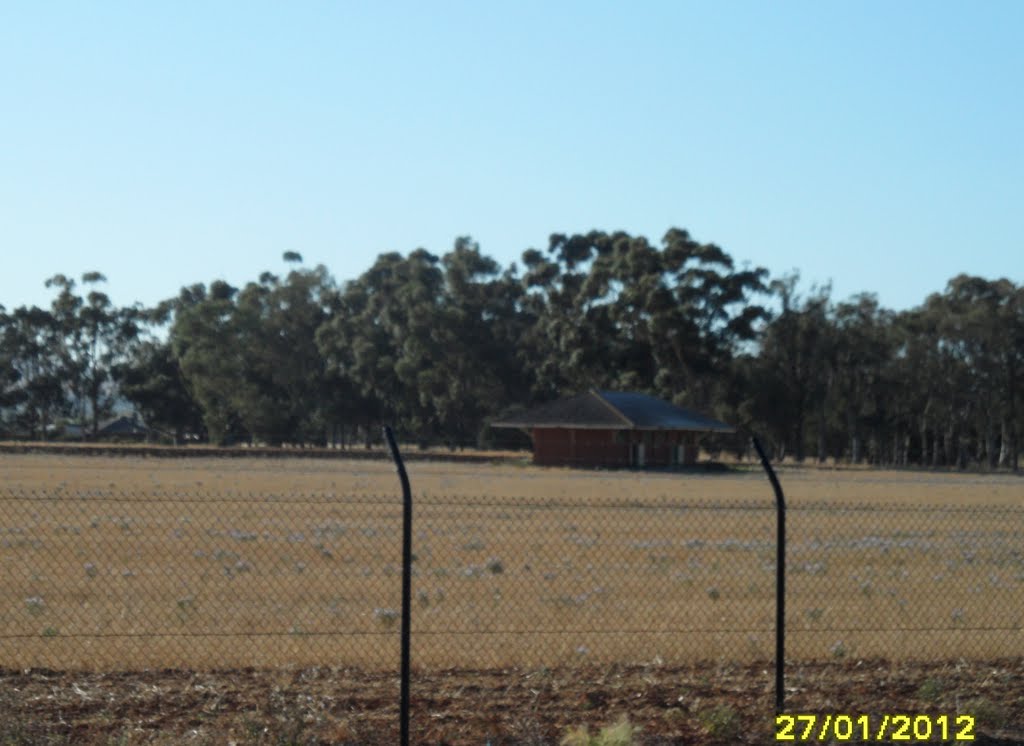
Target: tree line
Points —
{"points": [[440, 345]]}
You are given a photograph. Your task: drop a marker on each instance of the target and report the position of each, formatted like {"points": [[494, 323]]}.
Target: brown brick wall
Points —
{"points": [[568, 447]]}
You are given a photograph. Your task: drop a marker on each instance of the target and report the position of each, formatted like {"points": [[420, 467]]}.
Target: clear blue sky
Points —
{"points": [[874, 144]]}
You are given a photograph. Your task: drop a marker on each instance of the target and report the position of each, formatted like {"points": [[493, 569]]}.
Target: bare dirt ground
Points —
{"points": [[692, 705]]}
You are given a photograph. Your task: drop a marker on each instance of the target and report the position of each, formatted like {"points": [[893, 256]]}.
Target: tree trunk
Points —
{"points": [[924, 444], [1004, 444], [94, 399], [951, 445], [991, 455], [800, 440], [1012, 415], [822, 454]]}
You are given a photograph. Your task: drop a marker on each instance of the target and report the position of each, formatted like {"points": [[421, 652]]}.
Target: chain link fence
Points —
{"points": [[110, 580], [114, 580], [905, 582]]}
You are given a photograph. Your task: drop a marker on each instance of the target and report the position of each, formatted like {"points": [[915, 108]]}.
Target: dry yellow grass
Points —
{"points": [[147, 562], [297, 475]]}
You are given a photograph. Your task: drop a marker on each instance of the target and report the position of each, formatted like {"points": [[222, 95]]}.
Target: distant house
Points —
{"points": [[68, 430], [124, 427], [610, 428]]}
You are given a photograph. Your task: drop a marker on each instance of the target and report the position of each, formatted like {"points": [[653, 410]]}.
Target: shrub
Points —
{"points": [[620, 734], [721, 722]]}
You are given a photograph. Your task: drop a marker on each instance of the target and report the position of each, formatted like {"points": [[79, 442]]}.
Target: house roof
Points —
{"points": [[122, 425], [615, 410]]}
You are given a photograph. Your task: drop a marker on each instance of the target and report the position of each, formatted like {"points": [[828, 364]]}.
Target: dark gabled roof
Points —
{"points": [[616, 410], [122, 425], [647, 412]]}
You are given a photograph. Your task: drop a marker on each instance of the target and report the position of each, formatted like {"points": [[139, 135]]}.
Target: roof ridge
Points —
{"points": [[615, 410]]}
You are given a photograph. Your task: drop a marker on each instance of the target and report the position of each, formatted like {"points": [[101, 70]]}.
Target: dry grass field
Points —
{"points": [[295, 476], [112, 563]]}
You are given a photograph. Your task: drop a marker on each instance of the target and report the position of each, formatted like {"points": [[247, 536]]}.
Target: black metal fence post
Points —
{"points": [[406, 582], [780, 577]]}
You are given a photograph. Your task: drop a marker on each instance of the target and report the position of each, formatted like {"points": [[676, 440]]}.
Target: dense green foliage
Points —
{"points": [[440, 345]]}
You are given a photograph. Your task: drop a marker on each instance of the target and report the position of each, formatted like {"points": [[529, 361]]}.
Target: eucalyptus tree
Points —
{"points": [[1013, 422], [247, 358], [380, 338], [981, 327], [93, 336], [711, 316], [108, 334], [65, 309], [151, 379], [205, 344], [31, 343], [11, 393], [479, 327], [865, 349], [281, 390], [568, 345], [797, 368], [629, 303], [613, 309]]}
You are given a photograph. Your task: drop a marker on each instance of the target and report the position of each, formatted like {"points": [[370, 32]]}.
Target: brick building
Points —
{"points": [[609, 428]]}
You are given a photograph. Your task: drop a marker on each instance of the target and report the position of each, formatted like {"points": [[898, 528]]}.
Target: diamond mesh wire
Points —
{"points": [[105, 580]]}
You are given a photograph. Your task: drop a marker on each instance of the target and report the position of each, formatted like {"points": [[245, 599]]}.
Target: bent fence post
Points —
{"points": [[406, 582], [780, 576]]}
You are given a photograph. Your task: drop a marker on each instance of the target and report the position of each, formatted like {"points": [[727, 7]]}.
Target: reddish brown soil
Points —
{"points": [[692, 705]]}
